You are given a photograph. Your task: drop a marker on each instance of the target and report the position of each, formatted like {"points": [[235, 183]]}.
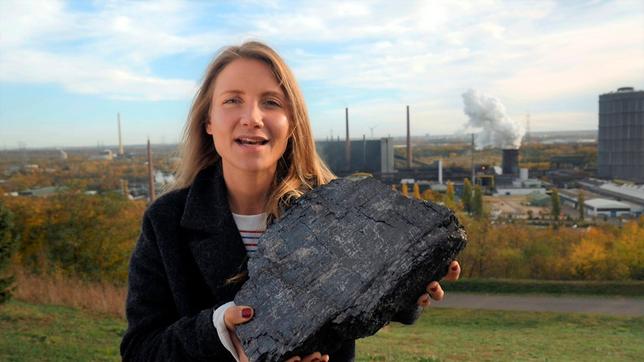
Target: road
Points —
{"points": [[616, 306]]}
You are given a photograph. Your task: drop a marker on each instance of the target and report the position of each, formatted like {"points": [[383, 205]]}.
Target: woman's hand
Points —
{"points": [[434, 290], [234, 316], [241, 314], [313, 357]]}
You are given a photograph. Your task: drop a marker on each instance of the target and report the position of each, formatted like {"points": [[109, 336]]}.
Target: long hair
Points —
{"points": [[298, 170]]}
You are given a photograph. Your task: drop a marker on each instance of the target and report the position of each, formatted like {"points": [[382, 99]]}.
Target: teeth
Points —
{"points": [[248, 141]]}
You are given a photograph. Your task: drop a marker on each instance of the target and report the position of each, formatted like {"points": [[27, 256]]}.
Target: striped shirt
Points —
{"points": [[251, 227]]}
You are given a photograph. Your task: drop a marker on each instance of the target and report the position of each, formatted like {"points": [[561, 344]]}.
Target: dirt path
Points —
{"points": [[618, 306]]}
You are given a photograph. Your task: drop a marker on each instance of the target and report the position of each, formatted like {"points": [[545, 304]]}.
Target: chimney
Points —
{"points": [[150, 174], [473, 170], [121, 153], [348, 142], [408, 141], [440, 171], [364, 152]]}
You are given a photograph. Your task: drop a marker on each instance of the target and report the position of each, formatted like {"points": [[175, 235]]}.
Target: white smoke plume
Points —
{"points": [[487, 116]]}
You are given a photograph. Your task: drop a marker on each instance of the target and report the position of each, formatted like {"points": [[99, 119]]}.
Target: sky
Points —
{"points": [[68, 67]]}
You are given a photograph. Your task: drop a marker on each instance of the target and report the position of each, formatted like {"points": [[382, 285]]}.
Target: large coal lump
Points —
{"points": [[339, 264]]}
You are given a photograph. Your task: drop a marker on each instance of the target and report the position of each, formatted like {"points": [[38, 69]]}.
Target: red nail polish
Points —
{"points": [[246, 313], [454, 268], [433, 289]]}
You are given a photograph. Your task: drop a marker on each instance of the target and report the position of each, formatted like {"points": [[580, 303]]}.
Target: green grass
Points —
{"points": [[31, 332], [476, 335], [513, 286]]}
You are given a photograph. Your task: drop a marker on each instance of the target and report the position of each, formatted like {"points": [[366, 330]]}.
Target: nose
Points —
{"points": [[252, 116]]}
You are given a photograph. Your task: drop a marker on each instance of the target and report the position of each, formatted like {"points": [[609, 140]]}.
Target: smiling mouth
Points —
{"points": [[251, 141]]}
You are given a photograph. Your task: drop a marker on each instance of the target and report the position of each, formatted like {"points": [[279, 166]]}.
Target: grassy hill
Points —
{"points": [[31, 332]]}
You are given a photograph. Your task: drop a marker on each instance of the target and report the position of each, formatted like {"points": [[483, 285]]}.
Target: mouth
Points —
{"points": [[253, 141]]}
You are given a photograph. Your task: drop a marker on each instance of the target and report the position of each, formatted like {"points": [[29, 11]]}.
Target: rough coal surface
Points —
{"points": [[339, 264]]}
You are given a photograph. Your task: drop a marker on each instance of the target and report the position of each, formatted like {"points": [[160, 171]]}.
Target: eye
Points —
{"points": [[234, 100], [273, 102]]}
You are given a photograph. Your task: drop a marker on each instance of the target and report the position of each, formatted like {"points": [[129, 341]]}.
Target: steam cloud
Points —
{"points": [[487, 113]]}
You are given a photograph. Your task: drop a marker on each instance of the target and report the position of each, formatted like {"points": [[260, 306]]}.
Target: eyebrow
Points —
{"points": [[267, 93]]}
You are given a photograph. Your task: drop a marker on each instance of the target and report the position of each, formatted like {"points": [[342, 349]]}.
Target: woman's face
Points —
{"points": [[248, 117]]}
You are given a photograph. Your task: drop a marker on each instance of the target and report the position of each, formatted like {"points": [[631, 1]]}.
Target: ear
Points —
{"points": [[208, 126]]}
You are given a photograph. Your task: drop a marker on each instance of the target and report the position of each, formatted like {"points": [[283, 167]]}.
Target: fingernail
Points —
{"points": [[246, 312], [433, 289], [454, 267]]}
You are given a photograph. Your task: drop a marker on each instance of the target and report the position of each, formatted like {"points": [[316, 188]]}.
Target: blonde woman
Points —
{"points": [[248, 152]]}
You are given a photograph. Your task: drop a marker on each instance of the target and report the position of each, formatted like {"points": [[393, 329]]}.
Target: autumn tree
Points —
{"points": [[405, 190], [7, 248], [428, 195], [467, 196], [555, 206], [477, 202], [416, 191], [449, 194], [581, 199]]}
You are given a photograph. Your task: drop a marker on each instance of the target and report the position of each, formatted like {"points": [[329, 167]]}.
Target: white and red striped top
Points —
{"points": [[251, 227]]}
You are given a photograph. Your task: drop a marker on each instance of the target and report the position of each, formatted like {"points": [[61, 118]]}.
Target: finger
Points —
{"points": [[235, 315], [435, 291], [238, 347], [453, 272], [325, 358], [294, 359], [312, 357], [423, 300]]}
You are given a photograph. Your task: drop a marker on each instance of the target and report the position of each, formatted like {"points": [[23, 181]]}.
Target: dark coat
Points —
{"points": [[189, 245]]}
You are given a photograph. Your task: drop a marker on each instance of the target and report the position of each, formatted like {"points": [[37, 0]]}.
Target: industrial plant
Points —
{"points": [[612, 186], [496, 153]]}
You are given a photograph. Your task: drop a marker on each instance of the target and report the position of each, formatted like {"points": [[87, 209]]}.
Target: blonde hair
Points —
{"points": [[299, 169]]}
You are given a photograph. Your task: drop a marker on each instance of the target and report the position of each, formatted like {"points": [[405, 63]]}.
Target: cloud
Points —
{"points": [[423, 53], [106, 53]]}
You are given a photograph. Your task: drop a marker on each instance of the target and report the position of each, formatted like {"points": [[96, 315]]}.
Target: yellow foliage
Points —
{"points": [[405, 190], [428, 195], [416, 191]]}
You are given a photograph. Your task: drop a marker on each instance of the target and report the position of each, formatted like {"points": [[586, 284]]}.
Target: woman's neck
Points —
{"points": [[247, 191]]}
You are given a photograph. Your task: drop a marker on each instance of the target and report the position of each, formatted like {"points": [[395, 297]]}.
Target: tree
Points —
{"points": [[450, 192], [477, 201], [555, 204], [581, 198], [428, 195], [467, 196], [7, 248], [416, 191]]}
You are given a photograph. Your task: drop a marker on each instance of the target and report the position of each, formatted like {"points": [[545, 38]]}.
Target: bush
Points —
{"points": [[8, 246]]}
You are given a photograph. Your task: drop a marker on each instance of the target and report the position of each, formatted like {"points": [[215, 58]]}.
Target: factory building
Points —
{"points": [[373, 156], [621, 135]]}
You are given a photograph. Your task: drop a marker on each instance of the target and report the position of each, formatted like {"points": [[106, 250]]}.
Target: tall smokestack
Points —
{"points": [[348, 142], [364, 151], [150, 174], [121, 153], [440, 171], [473, 171], [408, 141]]}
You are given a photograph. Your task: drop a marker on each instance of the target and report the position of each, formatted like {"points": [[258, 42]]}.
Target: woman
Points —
{"points": [[248, 152]]}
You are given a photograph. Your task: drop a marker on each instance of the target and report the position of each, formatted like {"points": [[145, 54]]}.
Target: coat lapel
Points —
{"points": [[216, 244]]}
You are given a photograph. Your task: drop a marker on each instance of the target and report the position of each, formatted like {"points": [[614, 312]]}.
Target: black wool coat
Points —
{"points": [[188, 247]]}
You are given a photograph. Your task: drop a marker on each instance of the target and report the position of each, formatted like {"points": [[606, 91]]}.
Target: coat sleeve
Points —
{"points": [[155, 330]]}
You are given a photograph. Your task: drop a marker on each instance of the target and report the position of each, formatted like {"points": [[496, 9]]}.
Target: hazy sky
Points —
{"points": [[67, 68]]}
